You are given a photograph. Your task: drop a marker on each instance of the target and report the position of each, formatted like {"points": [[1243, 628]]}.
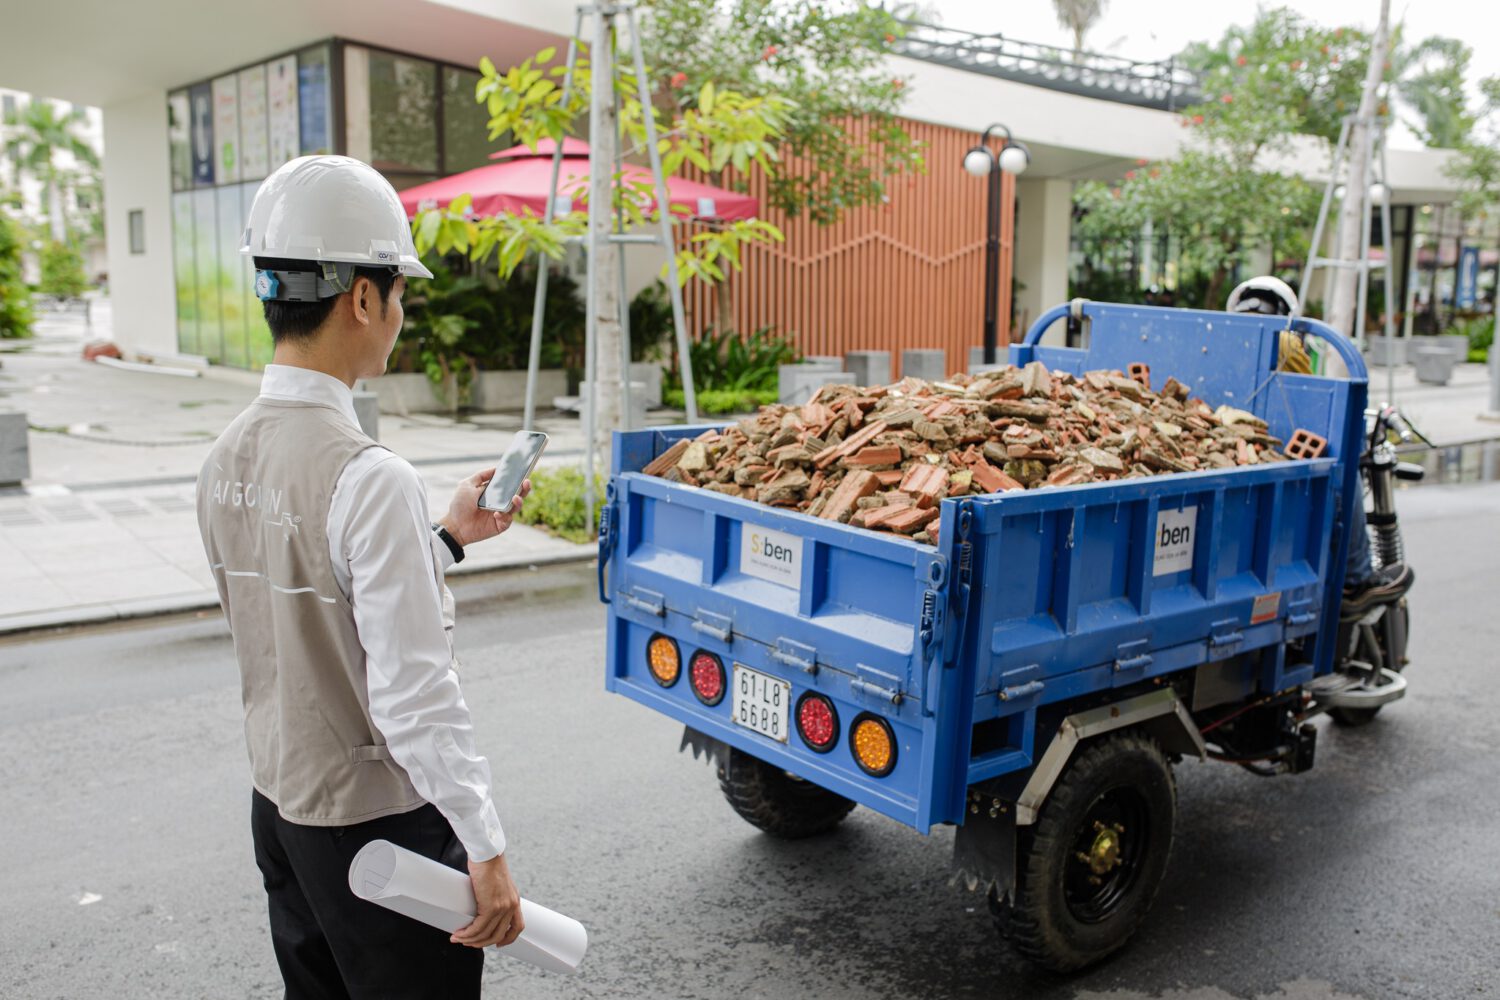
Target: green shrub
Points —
{"points": [[1479, 355], [1479, 329], [62, 271], [650, 323], [556, 501], [721, 401], [727, 361], [15, 296]]}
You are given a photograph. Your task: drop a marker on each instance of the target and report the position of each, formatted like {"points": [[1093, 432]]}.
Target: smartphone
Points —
{"points": [[512, 469]]}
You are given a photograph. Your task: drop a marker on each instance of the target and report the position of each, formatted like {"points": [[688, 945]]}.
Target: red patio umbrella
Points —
{"points": [[518, 180]]}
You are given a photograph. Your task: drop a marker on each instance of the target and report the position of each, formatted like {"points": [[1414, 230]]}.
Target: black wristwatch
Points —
{"points": [[451, 542]]}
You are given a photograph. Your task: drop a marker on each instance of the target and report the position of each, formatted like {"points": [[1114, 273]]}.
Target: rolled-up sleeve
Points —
{"points": [[403, 614]]}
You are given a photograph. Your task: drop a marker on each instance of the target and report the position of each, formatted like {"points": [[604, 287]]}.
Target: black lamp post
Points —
{"points": [[981, 161]]}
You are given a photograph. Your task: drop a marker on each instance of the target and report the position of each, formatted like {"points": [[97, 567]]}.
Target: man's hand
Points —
{"points": [[466, 522], [499, 919]]}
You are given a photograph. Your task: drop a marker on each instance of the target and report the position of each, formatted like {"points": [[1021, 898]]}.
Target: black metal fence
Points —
{"points": [[1164, 85]]}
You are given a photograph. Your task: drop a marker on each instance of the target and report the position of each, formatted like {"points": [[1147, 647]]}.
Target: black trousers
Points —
{"points": [[332, 944]]}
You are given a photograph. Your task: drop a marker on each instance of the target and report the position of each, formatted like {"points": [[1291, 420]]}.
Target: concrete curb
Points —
{"points": [[203, 600]]}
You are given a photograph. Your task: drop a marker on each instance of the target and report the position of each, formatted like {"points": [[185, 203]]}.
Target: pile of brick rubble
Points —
{"points": [[881, 458]]}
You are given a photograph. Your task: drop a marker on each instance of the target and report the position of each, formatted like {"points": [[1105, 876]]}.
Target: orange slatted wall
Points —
{"points": [[904, 275]]}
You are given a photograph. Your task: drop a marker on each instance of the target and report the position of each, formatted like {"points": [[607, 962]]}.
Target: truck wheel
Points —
{"points": [[1089, 868], [777, 802]]}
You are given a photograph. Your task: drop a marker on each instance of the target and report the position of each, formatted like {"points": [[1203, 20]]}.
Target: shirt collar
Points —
{"points": [[306, 385]]}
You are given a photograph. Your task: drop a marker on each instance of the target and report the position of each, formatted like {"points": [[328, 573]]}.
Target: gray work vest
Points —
{"points": [[263, 498]]}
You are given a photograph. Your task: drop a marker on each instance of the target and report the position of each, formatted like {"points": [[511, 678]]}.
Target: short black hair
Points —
{"points": [[293, 321]]}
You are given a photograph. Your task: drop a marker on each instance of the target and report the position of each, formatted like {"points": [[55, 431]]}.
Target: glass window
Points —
{"points": [[179, 145], [137, 219], [390, 105], [201, 125], [466, 124], [313, 100], [230, 277], [183, 247], [8, 105], [206, 278]]}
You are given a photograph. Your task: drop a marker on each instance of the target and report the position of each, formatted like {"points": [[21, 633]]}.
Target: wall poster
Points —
{"points": [[226, 130], [254, 141], [281, 98]]}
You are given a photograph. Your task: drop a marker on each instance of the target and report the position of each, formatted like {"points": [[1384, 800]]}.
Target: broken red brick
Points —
{"points": [[856, 485], [886, 455], [1306, 444]]}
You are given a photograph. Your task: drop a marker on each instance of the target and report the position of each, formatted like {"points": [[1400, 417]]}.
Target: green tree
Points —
{"points": [[827, 61], [1477, 165], [1078, 16], [1221, 197], [62, 271], [15, 296], [38, 133], [1429, 77]]}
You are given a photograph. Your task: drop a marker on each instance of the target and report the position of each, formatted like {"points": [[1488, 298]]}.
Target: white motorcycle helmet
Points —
{"points": [[1265, 295], [334, 213]]}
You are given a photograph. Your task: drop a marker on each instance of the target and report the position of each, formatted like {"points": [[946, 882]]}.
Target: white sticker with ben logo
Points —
{"points": [[771, 555], [1175, 531]]}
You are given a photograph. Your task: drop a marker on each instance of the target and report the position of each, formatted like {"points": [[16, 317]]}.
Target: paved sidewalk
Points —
{"points": [[106, 527]]}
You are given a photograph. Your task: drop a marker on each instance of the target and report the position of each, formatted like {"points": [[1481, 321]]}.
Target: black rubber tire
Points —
{"points": [[778, 803], [1041, 923], [1353, 718]]}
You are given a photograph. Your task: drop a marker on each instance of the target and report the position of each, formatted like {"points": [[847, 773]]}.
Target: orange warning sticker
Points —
{"points": [[1265, 608]]}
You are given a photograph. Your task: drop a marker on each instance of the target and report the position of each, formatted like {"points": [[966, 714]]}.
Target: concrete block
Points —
{"points": [[786, 375], [924, 364], [869, 367], [1386, 352], [1455, 343], [367, 409], [799, 385], [976, 357], [15, 451]]}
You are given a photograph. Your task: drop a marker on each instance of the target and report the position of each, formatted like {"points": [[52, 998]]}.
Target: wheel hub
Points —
{"points": [[1104, 855]]}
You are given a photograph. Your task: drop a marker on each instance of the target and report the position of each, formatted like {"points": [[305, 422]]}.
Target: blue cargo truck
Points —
{"points": [[1032, 678]]}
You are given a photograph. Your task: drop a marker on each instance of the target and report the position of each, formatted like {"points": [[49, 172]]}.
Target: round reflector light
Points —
{"points": [[874, 745], [707, 676], [663, 660], [817, 722]]}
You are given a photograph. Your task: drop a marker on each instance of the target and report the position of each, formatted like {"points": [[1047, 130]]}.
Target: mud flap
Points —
{"points": [[717, 751], [984, 848]]}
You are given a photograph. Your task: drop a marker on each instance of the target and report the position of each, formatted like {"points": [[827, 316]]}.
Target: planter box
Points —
{"points": [[15, 453], [412, 392], [648, 374], [1455, 343], [1386, 353], [924, 364], [1434, 364], [788, 377]]}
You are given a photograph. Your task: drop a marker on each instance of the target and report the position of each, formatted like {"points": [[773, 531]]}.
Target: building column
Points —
{"points": [[1044, 225], [138, 177]]}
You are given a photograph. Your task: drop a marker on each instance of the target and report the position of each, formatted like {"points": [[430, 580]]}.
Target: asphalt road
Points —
{"points": [[126, 870]]}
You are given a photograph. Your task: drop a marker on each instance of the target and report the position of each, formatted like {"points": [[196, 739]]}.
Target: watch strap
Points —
{"points": [[451, 542]]}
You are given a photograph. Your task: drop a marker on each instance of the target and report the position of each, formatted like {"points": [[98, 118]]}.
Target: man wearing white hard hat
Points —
{"points": [[331, 578]]}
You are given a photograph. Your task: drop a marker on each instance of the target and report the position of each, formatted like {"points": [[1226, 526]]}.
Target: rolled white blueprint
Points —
{"points": [[441, 897]]}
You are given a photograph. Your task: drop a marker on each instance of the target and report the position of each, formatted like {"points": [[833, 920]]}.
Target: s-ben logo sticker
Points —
{"points": [[771, 555], [1175, 534]]}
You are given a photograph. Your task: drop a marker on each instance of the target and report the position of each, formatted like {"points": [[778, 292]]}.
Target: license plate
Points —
{"points": [[762, 704]]}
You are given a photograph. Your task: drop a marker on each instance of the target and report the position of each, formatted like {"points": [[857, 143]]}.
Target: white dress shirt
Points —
{"points": [[382, 546]]}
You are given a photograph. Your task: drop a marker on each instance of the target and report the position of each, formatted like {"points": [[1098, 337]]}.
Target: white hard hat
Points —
{"points": [[1264, 294], [331, 209]]}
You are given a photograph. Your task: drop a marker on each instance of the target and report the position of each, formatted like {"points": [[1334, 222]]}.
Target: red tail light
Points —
{"points": [[817, 722], [707, 676]]}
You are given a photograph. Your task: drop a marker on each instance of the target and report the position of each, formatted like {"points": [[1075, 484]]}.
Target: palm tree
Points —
{"points": [[1078, 16], [36, 135]]}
